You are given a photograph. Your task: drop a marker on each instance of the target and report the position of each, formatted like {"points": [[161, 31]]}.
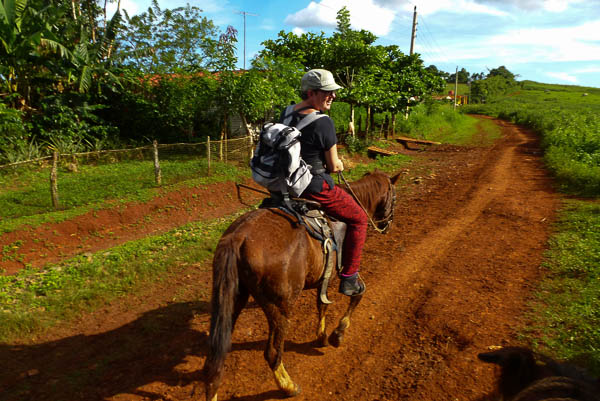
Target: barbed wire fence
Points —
{"points": [[236, 151]]}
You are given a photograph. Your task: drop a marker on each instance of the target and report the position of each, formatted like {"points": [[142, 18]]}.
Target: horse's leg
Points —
{"points": [[278, 324], [335, 338], [321, 329]]}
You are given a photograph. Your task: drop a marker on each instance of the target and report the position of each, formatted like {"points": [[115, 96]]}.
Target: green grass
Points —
{"points": [[463, 89], [25, 195], [441, 123], [567, 309], [568, 124], [33, 300]]}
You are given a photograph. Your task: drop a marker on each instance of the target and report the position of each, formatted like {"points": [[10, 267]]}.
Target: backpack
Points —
{"points": [[276, 164]]}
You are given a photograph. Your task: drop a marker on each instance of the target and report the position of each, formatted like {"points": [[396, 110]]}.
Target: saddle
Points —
{"points": [[328, 231]]}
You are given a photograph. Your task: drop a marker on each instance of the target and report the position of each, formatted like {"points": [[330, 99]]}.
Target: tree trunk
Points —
{"points": [[386, 126], [358, 124], [368, 122], [351, 124], [393, 125], [223, 136], [110, 47], [73, 8], [245, 124]]}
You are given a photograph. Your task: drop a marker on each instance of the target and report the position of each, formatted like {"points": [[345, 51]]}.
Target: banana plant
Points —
{"points": [[26, 35], [92, 58]]}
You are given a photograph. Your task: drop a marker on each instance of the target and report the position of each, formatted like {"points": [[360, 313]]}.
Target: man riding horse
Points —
{"points": [[319, 149]]}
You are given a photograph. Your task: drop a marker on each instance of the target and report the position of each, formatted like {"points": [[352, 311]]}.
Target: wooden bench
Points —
{"points": [[373, 151], [406, 140]]}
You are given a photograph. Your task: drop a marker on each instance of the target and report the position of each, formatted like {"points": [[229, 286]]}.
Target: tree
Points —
{"points": [[432, 69], [503, 72], [353, 59], [477, 76], [28, 46], [463, 77], [167, 41], [309, 49]]}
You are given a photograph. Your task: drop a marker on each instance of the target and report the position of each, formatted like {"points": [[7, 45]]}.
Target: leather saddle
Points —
{"points": [[328, 231]]}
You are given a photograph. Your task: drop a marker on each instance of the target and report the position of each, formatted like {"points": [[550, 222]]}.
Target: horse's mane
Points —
{"points": [[370, 187]]}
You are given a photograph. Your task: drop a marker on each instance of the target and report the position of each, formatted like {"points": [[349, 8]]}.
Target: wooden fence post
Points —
{"points": [[208, 152], [157, 172], [54, 180], [251, 146]]}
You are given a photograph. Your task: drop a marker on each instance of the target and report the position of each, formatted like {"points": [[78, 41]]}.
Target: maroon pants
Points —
{"points": [[338, 204]]}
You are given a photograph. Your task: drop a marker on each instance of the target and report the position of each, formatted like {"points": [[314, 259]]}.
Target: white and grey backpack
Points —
{"points": [[276, 164]]}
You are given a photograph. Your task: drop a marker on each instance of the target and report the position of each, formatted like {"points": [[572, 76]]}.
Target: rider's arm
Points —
{"points": [[333, 163]]}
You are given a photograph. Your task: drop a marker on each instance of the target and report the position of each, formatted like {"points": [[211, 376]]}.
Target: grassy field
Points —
{"points": [[441, 123], [25, 196], [567, 310], [463, 89]]}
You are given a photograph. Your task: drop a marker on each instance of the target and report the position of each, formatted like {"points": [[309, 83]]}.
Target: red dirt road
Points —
{"points": [[451, 278]]}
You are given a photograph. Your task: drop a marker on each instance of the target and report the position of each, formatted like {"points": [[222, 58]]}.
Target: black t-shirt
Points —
{"points": [[317, 138]]}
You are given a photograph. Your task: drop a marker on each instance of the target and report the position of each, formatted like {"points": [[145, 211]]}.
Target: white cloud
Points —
{"points": [[427, 7], [589, 70], [532, 5], [563, 76], [574, 43], [298, 31], [364, 14]]}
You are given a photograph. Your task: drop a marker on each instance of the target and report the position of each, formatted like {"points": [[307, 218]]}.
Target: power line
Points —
{"points": [[244, 13], [434, 42]]}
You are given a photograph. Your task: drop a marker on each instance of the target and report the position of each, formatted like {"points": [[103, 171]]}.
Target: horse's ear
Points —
{"points": [[395, 178]]}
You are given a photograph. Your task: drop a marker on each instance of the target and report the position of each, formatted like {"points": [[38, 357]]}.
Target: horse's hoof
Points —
{"points": [[335, 339], [294, 392], [321, 341]]}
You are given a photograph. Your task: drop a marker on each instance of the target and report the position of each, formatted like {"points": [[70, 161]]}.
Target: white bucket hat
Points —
{"points": [[319, 79]]}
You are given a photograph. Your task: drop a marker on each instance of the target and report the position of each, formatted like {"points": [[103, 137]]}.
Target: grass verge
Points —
{"points": [[33, 300], [566, 312]]}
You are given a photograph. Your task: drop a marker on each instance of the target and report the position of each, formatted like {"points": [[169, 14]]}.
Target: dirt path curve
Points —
{"points": [[452, 278]]}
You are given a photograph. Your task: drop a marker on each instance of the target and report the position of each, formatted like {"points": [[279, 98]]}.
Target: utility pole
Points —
{"points": [[244, 13], [455, 86], [414, 31]]}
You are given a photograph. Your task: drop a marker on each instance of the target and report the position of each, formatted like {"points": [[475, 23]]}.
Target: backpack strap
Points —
{"points": [[309, 118]]}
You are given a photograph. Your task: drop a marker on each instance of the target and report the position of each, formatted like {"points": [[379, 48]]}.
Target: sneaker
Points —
{"points": [[352, 285]]}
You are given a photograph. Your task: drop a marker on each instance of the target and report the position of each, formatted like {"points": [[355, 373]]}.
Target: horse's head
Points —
{"points": [[384, 210]]}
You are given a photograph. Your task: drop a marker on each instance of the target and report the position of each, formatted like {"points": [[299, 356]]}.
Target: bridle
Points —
{"points": [[388, 218]]}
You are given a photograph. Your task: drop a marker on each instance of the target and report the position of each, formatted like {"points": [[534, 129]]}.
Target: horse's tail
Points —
{"points": [[225, 288]]}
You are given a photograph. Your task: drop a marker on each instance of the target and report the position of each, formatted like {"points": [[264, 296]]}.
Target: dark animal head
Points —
{"points": [[377, 194], [520, 367], [384, 211]]}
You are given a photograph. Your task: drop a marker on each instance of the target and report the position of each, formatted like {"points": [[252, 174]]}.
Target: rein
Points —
{"points": [[387, 219]]}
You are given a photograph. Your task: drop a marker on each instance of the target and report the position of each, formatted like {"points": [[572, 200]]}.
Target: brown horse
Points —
{"points": [[267, 254]]}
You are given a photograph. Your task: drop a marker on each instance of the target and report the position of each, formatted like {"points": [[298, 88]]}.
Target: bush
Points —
{"points": [[67, 122], [14, 137]]}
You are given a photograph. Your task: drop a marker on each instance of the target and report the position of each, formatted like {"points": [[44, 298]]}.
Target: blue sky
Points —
{"points": [[551, 41]]}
